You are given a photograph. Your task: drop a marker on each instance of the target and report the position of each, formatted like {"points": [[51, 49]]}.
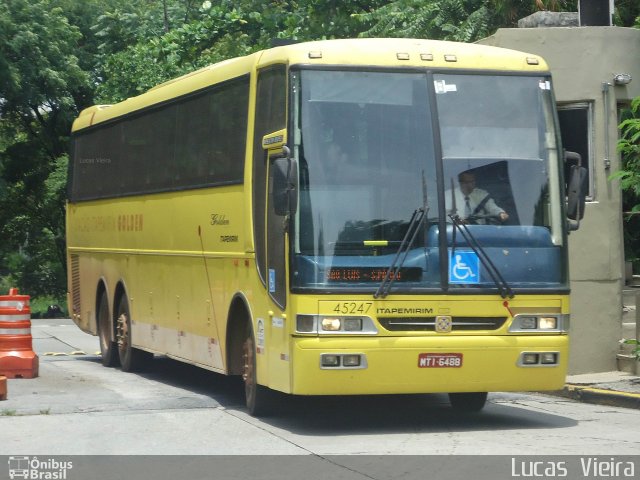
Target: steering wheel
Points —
{"points": [[489, 219]]}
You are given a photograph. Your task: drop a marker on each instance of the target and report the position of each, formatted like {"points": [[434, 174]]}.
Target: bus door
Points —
{"points": [[269, 138], [281, 200], [280, 192]]}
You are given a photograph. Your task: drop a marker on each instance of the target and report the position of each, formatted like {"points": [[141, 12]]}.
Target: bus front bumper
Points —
{"points": [[428, 364]]}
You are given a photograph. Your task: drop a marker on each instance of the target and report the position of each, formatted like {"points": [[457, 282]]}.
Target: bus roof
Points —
{"points": [[376, 52]]}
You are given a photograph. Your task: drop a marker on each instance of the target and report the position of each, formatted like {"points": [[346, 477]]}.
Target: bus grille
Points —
{"points": [[75, 284], [427, 324]]}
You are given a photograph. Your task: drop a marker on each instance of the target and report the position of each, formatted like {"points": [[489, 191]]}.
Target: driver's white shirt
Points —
{"points": [[475, 198]]}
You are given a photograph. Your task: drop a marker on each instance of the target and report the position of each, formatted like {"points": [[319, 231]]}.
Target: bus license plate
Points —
{"points": [[440, 360]]}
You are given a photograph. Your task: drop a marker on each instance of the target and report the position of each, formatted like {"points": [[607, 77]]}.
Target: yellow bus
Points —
{"points": [[299, 217]]}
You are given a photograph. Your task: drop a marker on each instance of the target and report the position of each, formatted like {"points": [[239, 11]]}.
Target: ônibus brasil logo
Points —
{"points": [[38, 469]]}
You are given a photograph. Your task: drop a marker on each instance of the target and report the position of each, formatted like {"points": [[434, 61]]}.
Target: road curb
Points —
{"points": [[599, 396]]}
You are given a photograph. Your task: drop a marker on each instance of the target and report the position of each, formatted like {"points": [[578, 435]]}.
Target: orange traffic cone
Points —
{"points": [[17, 358], [3, 388]]}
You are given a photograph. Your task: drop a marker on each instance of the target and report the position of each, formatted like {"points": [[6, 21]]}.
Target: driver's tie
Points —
{"points": [[467, 207]]}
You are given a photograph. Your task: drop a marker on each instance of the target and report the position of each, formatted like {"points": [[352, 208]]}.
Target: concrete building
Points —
{"points": [[591, 67]]}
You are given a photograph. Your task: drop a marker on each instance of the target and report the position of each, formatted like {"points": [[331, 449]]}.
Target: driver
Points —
{"points": [[472, 204]]}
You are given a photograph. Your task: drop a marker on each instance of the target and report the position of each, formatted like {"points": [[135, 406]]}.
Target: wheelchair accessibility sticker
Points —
{"points": [[464, 267]]}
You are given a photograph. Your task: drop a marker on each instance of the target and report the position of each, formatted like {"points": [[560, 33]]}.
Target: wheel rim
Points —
{"points": [[105, 327], [124, 338], [248, 370]]}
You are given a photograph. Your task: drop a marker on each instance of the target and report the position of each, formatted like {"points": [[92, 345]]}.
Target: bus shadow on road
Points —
{"points": [[225, 390], [331, 415], [408, 413]]}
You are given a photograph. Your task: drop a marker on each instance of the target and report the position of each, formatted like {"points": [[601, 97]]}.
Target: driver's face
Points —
{"points": [[467, 183]]}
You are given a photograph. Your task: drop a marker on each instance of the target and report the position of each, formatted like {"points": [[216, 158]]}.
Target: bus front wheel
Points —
{"points": [[468, 402], [259, 399]]}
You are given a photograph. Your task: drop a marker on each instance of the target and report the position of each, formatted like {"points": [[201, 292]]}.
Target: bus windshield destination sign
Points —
{"points": [[371, 274]]}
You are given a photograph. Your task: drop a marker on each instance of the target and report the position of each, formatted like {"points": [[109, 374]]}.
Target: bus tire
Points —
{"points": [[259, 399], [131, 359], [468, 402], [108, 348]]}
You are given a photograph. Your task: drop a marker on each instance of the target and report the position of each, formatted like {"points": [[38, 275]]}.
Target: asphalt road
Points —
{"points": [[78, 407]]}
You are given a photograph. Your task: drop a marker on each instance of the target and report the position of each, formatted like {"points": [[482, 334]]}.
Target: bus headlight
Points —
{"points": [[331, 324], [527, 323], [335, 324], [548, 323]]}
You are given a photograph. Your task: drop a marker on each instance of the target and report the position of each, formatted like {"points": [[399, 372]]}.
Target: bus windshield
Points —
{"points": [[369, 156]]}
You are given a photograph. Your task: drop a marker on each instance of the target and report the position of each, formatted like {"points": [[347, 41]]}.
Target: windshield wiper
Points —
{"points": [[416, 222], [503, 287]]}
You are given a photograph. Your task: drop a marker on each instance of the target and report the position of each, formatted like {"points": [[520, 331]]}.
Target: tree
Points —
{"points": [[629, 147], [629, 176], [627, 13], [213, 33], [41, 85], [217, 34], [457, 20]]}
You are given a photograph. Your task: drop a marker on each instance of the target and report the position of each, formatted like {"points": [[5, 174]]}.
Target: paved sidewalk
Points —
{"points": [[618, 389]]}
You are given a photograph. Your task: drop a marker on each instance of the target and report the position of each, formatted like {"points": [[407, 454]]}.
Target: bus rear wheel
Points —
{"points": [[108, 348], [259, 399], [131, 359], [468, 402]]}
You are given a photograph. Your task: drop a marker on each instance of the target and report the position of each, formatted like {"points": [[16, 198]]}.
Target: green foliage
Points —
{"points": [[629, 177], [629, 147], [40, 305], [627, 13], [460, 20], [140, 66], [34, 228], [43, 84], [40, 78], [635, 352], [327, 19], [457, 20], [215, 32]]}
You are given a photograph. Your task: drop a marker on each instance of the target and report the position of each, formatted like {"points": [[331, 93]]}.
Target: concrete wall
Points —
{"points": [[583, 60]]}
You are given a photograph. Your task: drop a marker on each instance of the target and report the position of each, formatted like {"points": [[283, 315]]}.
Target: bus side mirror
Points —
{"points": [[284, 194], [576, 190]]}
